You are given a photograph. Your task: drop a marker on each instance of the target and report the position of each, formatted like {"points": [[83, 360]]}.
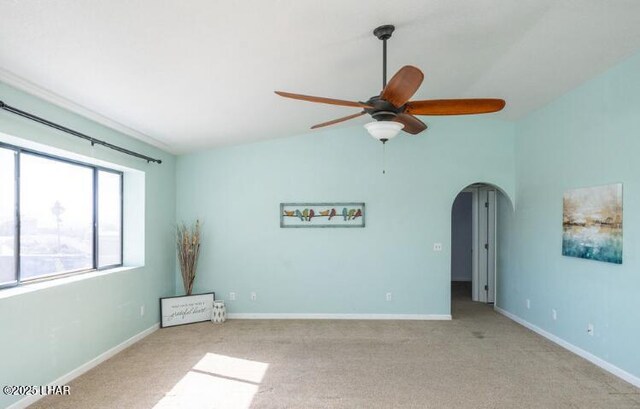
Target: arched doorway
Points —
{"points": [[474, 219]]}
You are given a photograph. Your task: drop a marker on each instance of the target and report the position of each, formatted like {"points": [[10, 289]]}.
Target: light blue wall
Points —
{"points": [[47, 333], [588, 137], [236, 192]]}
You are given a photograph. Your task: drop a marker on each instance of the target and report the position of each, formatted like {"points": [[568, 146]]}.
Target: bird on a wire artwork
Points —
{"points": [[322, 215]]}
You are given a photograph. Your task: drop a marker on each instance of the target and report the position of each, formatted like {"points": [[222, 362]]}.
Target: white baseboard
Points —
{"points": [[288, 316], [620, 373], [65, 379]]}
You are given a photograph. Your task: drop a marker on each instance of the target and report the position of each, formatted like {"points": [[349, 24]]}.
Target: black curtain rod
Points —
{"points": [[93, 141]]}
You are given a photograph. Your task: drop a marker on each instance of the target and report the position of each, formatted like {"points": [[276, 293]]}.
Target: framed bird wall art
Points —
{"points": [[348, 214]]}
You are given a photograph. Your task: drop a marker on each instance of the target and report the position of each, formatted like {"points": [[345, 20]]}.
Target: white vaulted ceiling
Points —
{"points": [[201, 73]]}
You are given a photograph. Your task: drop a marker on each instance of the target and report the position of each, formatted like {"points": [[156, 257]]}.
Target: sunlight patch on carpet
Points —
{"points": [[216, 381]]}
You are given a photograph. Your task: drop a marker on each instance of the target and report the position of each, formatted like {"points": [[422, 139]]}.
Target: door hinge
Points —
{"points": [[486, 287], [486, 204], [486, 246]]}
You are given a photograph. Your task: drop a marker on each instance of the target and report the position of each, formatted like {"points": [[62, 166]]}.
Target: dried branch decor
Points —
{"points": [[188, 245]]}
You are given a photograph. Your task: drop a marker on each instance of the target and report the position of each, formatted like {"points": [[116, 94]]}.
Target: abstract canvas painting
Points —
{"points": [[322, 214], [592, 223]]}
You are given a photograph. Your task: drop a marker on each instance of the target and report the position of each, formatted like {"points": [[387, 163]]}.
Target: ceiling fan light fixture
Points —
{"points": [[393, 108], [383, 130]]}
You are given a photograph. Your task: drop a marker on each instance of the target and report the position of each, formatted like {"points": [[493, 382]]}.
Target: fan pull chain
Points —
{"points": [[384, 157]]}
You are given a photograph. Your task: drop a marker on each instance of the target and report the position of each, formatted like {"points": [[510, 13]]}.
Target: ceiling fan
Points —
{"points": [[392, 109]]}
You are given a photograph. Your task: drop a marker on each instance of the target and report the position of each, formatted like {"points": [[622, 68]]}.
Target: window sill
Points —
{"points": [[42, 285]]}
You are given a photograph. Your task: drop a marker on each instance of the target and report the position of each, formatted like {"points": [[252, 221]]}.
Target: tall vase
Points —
{"points": [[219, 313]]}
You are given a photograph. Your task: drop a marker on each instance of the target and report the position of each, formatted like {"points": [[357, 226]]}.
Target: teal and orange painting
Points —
{"points": [[592, 223]]}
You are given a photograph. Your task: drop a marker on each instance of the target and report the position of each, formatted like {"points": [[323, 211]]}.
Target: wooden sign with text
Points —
{"points": [[186, 309]]}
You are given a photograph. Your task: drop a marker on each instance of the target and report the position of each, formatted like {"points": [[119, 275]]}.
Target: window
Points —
{"points": [[56, 217], [109, 219], [70, 216], [8, 273]]}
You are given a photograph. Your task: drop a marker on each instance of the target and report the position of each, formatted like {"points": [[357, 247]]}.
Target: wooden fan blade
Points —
{"points": [[455, 106], [335, 121], [323, 100], [402, 85], [412, 124]]}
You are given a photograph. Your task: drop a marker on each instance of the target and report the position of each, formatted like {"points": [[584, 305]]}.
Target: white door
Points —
{"points": [[484, 274]]}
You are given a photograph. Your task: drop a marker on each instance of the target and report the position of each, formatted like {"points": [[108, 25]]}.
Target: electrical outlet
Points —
{"points": [[142, 310], [528, 304], [232, 296], [437, 246], [388, 296], [590, 329], [253, 296], [554, 314]]}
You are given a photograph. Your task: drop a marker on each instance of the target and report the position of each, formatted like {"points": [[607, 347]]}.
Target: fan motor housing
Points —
{"points": [[382, 110]]}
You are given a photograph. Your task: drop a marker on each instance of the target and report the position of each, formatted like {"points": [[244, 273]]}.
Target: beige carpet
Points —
{"points": [[478, 360]]}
